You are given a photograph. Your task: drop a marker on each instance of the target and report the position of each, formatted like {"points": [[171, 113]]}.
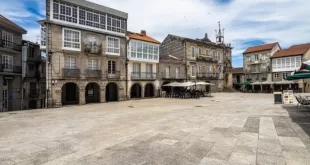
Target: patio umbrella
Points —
{"points": [[173, 84], [267, 83], [256, 83], [245, 83], [186, 84], [298, 76], [203, 83], [283, 82]]}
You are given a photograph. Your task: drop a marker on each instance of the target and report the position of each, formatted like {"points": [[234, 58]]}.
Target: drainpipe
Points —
{"points": [[185, 60], [126, 65]]}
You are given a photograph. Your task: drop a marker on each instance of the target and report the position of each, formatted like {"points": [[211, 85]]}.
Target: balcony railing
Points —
{"points": [[166, 75], [5, 68], [143, 76], [10, 45], [212, 76], [113, 74], [71, 73], [93, 73]]}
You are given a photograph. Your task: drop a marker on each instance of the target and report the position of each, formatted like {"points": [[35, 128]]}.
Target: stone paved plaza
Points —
{"points": [[229, 128]]}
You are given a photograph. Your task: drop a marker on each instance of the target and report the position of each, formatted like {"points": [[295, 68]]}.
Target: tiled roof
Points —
{"points": [[140, 37], [237, 70], [8, 22], [260, 48], [292, 51]]}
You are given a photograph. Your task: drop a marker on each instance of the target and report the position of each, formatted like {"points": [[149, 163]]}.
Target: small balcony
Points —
{"points": [[113, 74], [10, 45], [71, 73], [5, 68], [175, 76], [93, 73], [209, 76], [143, 76]]}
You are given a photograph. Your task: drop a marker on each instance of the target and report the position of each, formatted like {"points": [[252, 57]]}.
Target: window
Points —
{"points": [[219, 56], [298, 61], [149, 68], [156, 52], [136, 68], [150, 52], [71, 13], [7, 62], [276, 75], [256, 57], [193, 52], [43, 35], [111, 67], [133, 49], [145, 50], [71, 39], [283, 63], [215, 55], [167, 75], [264, 56], [200, 51], [70, 62], [278, 65], [177, 72], [285, 75], [293, 62], [207, 51], [8, 39], [31, 67], [139, 50], [113, 45], [92, 64], [193, 70], [287, 62]]}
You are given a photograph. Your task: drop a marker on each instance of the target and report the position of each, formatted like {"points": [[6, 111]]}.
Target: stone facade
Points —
{"points": [[11, 62], [34, 79], [91, 73], [189, 54], [257, 65]]}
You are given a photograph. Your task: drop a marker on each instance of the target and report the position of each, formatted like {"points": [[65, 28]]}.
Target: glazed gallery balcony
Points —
{"points": [[143, 76]]}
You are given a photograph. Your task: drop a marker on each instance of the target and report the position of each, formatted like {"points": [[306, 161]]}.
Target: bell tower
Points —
{"points": [[219, 35]]}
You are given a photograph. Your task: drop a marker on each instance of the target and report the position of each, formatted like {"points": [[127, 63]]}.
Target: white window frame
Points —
{"points": [[70, 63], [110, 72], [8, 39], [93, 63], [193, 52], [151, 53], [107, 46], [193, 71], [43, 36], [10, 62], [63, 40]]}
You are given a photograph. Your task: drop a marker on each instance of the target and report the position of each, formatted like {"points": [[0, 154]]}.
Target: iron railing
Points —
{"points": [[5, 68], [71, 73], [10, 45], [208, 75], [143, 75], [166, 75], [113, 74], [93, 73]]}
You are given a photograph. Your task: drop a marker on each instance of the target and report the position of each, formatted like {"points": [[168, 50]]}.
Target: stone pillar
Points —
{"points": [[57, 97], [102, 96], [142, 91], [82, 96]]}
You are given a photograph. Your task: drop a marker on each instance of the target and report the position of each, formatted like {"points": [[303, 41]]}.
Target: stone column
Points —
{"points": [[142, 91], [102, 96], [57, 97], [82, 96]]}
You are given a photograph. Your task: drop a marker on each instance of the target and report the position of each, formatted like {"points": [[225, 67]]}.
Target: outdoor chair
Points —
{"points": [[302, 101]]}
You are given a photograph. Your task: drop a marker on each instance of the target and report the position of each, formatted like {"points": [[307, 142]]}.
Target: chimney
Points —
{"points": [[206, 36], [143, 32]]}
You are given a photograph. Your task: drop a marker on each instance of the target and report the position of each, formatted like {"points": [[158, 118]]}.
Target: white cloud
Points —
{"points": [[284, 21]]}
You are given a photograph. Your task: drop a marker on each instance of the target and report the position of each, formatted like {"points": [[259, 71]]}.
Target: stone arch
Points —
{"points": [[92, 93], [111, 92], [70, 93], [149, 90], [136, 91]]}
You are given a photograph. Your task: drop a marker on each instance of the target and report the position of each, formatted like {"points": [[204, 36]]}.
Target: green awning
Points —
{"points": [[245, 83], [298, 76]]}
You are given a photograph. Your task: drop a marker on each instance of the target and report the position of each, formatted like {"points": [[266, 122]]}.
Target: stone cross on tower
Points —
{"points": [[219, 35]]}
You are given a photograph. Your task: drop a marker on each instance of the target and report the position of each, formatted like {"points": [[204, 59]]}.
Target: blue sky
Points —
{"points": [[246, 22]]}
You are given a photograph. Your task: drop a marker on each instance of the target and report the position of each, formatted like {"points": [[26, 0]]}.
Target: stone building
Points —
{"points": [[143, 59], [286, 61], [238, 77], [34, 80], [86, 52], [186, 59], [256, 62], [11, 62]]}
